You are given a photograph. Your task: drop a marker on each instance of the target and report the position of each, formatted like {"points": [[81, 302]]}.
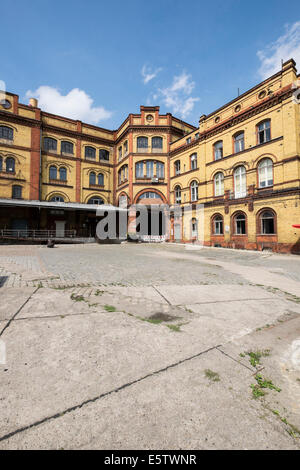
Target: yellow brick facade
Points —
{"points": [[154, 158]]}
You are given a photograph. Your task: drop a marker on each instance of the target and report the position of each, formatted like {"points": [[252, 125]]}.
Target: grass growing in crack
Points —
{"points": [[77, 298], [255, 356], [99, 292], [110, 308], [291, 428], [211, 375], [261, 385], [174, 328]]}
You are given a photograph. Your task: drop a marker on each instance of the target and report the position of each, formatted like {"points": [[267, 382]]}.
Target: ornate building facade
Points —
{"points": [[241, 166]]}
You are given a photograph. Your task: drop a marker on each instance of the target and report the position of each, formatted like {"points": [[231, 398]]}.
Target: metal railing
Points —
{"points": [[41, 234]]}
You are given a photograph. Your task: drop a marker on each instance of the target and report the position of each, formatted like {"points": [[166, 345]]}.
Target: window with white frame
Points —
{"points": [[267, 222], [240, 182], [194, 191], [240, 224], [193, 161], [149, 169], [218, 225], [264, 132], [219, 184], [265, 173], [218, 150], [160, 170], [177, 167], [239, 142], [139, 170], [178, 195]]}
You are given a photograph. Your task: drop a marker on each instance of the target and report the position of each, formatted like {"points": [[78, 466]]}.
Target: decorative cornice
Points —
{"points": [[17, 119], [243, 116]]}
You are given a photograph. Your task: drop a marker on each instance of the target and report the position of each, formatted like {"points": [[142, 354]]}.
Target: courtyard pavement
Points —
{"points": [[142, 346]]}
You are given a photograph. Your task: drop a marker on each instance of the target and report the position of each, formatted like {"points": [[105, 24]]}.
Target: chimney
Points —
{"points": [[33, 102]]}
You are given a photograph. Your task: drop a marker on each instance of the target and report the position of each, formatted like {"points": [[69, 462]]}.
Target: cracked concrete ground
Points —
{"points": [[149, 347]]}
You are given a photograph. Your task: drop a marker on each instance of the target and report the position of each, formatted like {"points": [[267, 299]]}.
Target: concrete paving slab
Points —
{"points": [[187, 294], [11, 301], [281, 364], [58, 362], [166, 411], [244, 316]]}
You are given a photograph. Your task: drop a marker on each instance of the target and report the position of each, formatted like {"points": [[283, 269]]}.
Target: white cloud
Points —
{"points": [[177, 97], [76, 104], [285, 47], [148, 74]]}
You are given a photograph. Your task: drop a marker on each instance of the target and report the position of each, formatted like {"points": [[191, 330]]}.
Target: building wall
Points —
{"points": [[272, 99]]}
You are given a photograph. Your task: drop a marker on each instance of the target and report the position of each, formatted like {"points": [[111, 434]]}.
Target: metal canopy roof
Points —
{"points": [[59, 205]]}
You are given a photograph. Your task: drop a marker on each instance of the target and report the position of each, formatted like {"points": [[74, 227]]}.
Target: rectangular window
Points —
{"points": [[160, 170], [139, 170], [149, 169]]}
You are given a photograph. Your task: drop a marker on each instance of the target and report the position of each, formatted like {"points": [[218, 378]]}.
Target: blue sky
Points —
{"points": [[99, 60]]}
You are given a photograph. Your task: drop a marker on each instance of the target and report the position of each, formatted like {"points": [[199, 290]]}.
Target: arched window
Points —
{"points": [[104, 154], [67, 147], [142, 143], [160, 170], [123, 201], [50, 144], [1, 163], [52, 173], [193, 159], [17, 192], [194, 191], [178, 194], [267, 222], [264, 132], [120, 152], [92, 177], [6, 133], [219, 184], [177, 167], [218, 150], [217, 225], [139, 170], [239, 142], [57, 199], [150, 195], [100, 179], [239, 224], [265, 173], [240, 183], [96, 200], [125, 148], [157, 143], [123, 174], [10, 165], [63, 174], [90, 152]]}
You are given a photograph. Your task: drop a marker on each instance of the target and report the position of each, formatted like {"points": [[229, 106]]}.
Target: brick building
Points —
{"points": [[241, 165]]}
